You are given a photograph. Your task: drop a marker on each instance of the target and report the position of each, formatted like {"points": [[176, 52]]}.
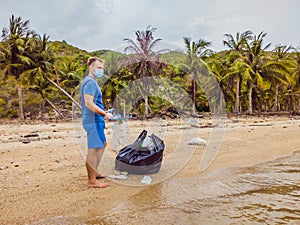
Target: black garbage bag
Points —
{"points": [[143, 156]]}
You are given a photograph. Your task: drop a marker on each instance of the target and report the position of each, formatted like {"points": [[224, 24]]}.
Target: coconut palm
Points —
{"points": [[115, 78], [41, 61], [277, 70], [41, 67], [220, 67], [236, 46], [296, 76], [143, 59], [17, 40], [69, 74], [253, 59], [196, 51], [238, 43], [292, 95]]}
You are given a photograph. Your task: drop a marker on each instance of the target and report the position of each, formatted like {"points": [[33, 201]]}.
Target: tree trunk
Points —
{"points": [[291, 104], [146, 105], [20, 96], [221, 104], [275, 106], [237, 95], [63, 91], [250, 109], [54, 107], [194, 95]]}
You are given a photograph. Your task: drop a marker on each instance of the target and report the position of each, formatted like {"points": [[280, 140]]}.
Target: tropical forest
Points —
{"points": [[40, 79]]}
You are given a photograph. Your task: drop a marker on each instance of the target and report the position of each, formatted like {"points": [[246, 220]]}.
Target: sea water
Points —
{"points": [[268, 193]]}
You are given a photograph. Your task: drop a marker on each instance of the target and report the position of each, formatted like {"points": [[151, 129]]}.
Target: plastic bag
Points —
{"points": [[139, 158], [148, 143]]}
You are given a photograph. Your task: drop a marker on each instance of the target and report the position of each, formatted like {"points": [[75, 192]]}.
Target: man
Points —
{"points": [[93, 116]]}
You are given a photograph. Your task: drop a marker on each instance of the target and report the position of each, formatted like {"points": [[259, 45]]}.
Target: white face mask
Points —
{"points": [[98, 73]]}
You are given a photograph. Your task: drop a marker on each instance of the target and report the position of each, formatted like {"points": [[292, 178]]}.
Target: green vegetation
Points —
{"points": [[39, 79]]}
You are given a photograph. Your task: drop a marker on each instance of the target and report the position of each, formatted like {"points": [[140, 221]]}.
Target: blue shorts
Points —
{"points": [[95, 134]]}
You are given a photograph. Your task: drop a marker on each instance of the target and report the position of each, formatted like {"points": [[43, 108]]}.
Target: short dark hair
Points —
{"points": [[93, 59]]}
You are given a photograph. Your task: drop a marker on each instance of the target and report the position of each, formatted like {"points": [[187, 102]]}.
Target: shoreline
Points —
{"points": [[201, 115]]}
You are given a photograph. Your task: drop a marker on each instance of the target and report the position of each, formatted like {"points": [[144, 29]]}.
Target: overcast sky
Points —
{"points": [[103, 24]]}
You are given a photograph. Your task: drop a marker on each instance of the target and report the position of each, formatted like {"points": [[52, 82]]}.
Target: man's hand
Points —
{"points": [[108, 116]]}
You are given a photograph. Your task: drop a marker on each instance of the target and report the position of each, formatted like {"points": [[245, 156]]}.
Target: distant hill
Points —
{"points": [[62, 48]]}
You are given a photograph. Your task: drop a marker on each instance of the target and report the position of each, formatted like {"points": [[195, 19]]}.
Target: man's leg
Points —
{"points": [[92, 160]]}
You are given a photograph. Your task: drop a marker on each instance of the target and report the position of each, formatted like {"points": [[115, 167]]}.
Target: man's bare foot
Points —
{"points": [[97, 184]]}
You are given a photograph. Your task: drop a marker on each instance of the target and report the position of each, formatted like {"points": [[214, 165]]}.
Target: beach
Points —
{"points": [[43, 178]]}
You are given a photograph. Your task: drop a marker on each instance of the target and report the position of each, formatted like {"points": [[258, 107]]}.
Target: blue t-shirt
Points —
{"points": [[90, 86]]}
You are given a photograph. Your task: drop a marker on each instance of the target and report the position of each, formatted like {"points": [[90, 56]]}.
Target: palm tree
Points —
{"points": [[41, 60], [236, 46], [17, 39], [143, 59], [220, 67], [69, 73], [293, 90], [115, 77], [253, 59], [238, 43], [41, 66], [296, 74], [195, 52], [278, 70]]}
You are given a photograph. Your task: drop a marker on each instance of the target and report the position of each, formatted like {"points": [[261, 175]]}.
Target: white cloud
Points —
{"points": [[102, 24]]}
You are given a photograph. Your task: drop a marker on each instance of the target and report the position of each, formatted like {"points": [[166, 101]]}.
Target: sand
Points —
{"points": [[43, 176]]}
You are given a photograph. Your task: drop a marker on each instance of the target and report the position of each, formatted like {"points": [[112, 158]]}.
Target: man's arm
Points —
{"points": [[88, 99]]}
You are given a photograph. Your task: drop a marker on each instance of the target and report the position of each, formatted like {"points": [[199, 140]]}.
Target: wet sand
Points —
{"points": [[43, 177]]}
